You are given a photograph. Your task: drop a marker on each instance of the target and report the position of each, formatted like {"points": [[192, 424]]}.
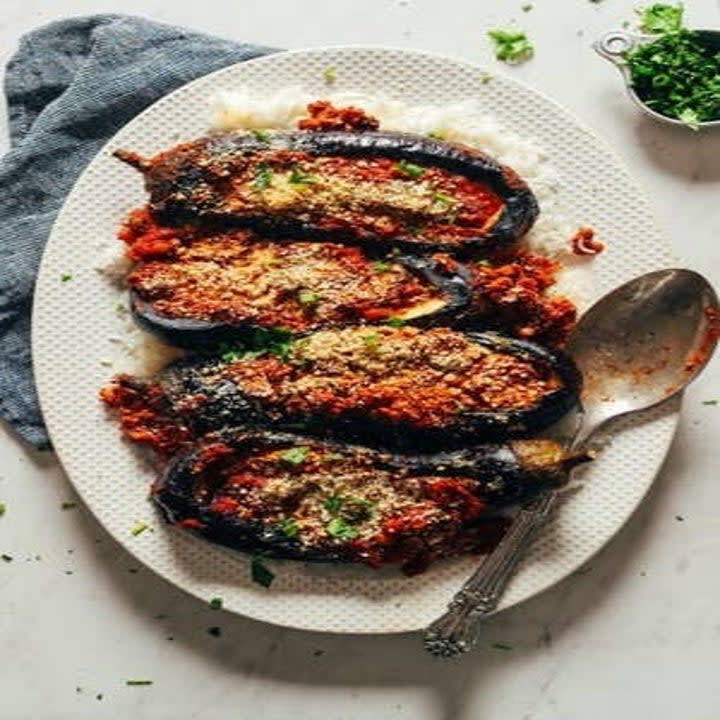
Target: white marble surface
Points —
{"points": [[637, 635]]}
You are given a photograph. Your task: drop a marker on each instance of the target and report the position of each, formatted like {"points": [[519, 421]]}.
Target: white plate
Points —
{"points": [[73, 321]]}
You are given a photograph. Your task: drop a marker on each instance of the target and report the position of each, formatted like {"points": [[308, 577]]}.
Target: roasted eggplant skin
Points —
{"points": [[172, 177], [218, 402], [506, 474], [193, 333]]}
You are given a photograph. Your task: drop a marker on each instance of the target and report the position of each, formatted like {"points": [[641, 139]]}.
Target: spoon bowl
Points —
{"points": [[643, 343]]}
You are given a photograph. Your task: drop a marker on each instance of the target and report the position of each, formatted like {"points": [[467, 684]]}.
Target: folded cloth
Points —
{"points": [[71, 85]]}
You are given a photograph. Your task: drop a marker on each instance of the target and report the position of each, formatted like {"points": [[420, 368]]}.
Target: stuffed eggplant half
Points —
{"points": [[298, 497], [377, 188], [396, 387], [214, 288]]}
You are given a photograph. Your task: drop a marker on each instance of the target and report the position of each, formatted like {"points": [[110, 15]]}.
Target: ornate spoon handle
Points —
{"points": [[456, 631]]}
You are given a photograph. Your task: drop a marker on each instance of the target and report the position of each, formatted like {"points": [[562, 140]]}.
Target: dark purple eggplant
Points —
{"points": [[394, 190], [298, 497], [395, 387], [449, 294]]}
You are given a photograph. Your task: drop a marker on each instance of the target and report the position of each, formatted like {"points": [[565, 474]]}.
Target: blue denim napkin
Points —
{"points": [[71, 85]]}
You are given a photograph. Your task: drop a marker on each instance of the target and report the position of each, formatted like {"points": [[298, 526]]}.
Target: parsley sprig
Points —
{"points": [[511, 46]]}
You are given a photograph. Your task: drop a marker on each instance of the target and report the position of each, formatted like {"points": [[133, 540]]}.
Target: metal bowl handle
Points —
{"points": [[614, 44]]}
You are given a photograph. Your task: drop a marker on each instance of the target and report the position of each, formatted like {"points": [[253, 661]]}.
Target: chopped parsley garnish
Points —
{"points": [[65, 277], [704, 402], [333, 503], [3, 509], [295, 455], [382, 267], [68, 505], [443, 198], [511, 46], [502, 646], [120, 309], [676, 75], [139, 528], [411, 170], [263, 177], [527, 7], [341, 529], [136, 683], [661, 18], [372, 341], [277, 341], [298, 177], [396, 322], [436, 134], [7, 558], [329, 75], [307, 297], [289, 527], [260, 573], [486, 78], [216, 603], [262, 136]]}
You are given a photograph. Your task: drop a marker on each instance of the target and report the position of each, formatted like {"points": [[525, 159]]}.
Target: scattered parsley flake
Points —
{"points": [[396, 322], [136, 683], [679, 518], [298, 177], [690, 118], [295, 455], [260, 573], [3, 509], [263, 177], [486, 78], [333, 503], [511, 46], [382, 267], [502, 646], [330, 75], [7, 558], [307, 297], [527, 7], [411, 170], [138, 528], [120, 309], [65, 277], [216, 603], [372, 341], [262, 136], [436, 134], [68, 505], [660, 18], [711, 402], [289, 527], [341, 529], [443, 198]]}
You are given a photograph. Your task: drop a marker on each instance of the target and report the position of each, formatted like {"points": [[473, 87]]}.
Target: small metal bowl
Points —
{"points": [[613, 46]]}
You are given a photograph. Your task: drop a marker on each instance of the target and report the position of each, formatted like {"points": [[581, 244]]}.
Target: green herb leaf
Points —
{"points": [[65, 277], [333, 503], [262, 136], [6, 558], [121, 310], [382, 267], [443, 198], [412, 171], [138, 528], [372, 341], [263, 177], [216, 603], [690, 118], [711, 402], [436, 134], [661, 18], [511, 46], [3, 509], [260, 573], [329, 75], [138, 682], [307, 297], [340, 529], [298, 177], [486, 78], [396, 322], [68, 505], [289, 527], [527, 7], [295, 455]]}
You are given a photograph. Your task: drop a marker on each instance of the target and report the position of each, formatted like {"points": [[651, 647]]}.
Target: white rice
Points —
{"points": [[467, 122]]}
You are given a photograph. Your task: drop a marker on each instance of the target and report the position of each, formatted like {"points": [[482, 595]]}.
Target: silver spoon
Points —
{"points": [[615, 44], [636, 347]]}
